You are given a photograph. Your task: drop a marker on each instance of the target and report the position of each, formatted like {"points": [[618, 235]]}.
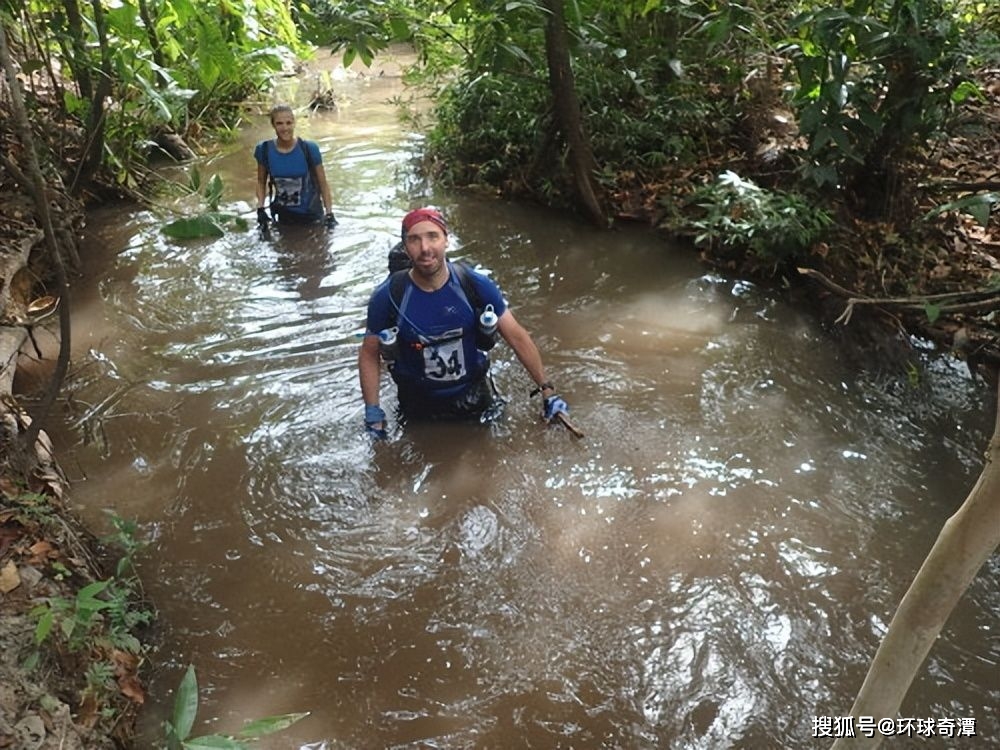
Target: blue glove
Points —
{"points": [[374, 416], [330, 221], [262, 218], [554, 405]]}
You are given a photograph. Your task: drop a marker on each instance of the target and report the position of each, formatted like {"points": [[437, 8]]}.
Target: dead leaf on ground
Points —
{"points": [[42, 304], [126, 665], [10, 579], [41, 551], [131, 688], [9, 488], [123, 661], [940, 271], [9, 533], [89, 711]]}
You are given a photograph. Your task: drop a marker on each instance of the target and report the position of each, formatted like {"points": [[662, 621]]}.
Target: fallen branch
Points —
{"points": [[568, 425], [963, 187], [981, 301]]}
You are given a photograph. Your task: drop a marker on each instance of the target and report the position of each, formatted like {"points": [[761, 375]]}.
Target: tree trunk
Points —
{"points": [[567, 112], [77, 55], [37, 187], [154, 41], [94, 154], [966, 541]]}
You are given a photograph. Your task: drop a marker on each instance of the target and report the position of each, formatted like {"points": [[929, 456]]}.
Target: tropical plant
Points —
{"points": [[131, 70], [775, 226], [103, 614], [178, 728], [210, 222], [874, 80]]}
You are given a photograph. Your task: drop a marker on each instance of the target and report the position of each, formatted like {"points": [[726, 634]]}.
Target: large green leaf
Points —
{"points": [[213, 742], [977, 206], [44, 626], [193, 228], [185, 704], [270, 725]]}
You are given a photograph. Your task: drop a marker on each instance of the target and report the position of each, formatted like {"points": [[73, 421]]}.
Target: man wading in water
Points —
{"points": [[432, 324]]}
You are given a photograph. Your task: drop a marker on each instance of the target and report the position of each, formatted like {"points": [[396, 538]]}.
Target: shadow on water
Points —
{"points": [[303, 259], [712, 567]]}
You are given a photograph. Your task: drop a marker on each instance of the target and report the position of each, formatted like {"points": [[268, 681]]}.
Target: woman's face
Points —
{"points": [[284, 125]]}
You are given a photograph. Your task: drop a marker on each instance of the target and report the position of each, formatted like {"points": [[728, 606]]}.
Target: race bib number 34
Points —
{"points": [[444, 357]]}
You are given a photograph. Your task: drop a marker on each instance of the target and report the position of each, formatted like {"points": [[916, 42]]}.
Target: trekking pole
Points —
{"points": [[568, 425]]}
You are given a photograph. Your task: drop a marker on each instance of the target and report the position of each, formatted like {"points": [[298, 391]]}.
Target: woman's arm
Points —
{"points": [[261, 185], [324, 188]]}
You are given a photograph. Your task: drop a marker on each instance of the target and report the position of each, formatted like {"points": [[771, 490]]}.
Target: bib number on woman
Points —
{"points": [[288, 191]]}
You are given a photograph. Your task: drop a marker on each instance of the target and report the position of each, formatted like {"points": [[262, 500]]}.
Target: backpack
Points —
{"points": [[397, 287], [267, 167]]}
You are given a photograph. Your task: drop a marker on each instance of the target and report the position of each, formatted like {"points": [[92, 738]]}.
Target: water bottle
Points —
{"points": [[487, 333], [388, 345]]}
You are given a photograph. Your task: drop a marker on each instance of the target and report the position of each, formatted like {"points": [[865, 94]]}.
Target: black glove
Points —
{"points": [[262, 218], [330, 220]]}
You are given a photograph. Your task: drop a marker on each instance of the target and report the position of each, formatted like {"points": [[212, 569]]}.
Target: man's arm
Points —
{"points": [[369, 371], [524, 347]]}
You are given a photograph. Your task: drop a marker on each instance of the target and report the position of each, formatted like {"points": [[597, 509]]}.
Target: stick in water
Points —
{"points": [[568, 425]]}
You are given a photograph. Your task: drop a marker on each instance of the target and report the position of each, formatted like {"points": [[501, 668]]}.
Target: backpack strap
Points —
{"points": [[265, 162], [463, 271], [267, 166], [305, 152], [397, 288]]}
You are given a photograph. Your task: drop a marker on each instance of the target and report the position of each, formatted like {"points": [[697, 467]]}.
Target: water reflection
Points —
{"points": [[710, 568], [304, 260]]}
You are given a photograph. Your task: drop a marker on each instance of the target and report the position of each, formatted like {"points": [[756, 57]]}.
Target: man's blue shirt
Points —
{"points": [[437, 332]]}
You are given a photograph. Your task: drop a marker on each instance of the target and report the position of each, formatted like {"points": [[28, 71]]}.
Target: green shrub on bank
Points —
{"points": [[777, 227]]}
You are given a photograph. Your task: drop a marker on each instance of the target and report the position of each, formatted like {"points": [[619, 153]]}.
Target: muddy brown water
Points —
{"points": [[711, 567]]}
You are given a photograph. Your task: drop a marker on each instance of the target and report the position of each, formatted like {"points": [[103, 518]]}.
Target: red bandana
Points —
{"points": [[423, 214]]}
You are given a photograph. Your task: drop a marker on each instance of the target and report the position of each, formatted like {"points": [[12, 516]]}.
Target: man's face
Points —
{"points": [[425, 243]]}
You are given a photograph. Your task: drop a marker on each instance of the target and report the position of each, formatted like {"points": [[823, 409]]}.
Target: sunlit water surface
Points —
{"points": [[711, 567]]}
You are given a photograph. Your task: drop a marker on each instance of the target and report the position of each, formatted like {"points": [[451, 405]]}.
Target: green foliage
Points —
{"points": [[185, 62], [103, 614], [638, 125], [125, 538], [360, 29], [33, 508], [210, 223], [178, 728], [978, 206], [873, 79], [486, 129], [641, 73], [96, 627], [75, 619], [775, 226]]}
